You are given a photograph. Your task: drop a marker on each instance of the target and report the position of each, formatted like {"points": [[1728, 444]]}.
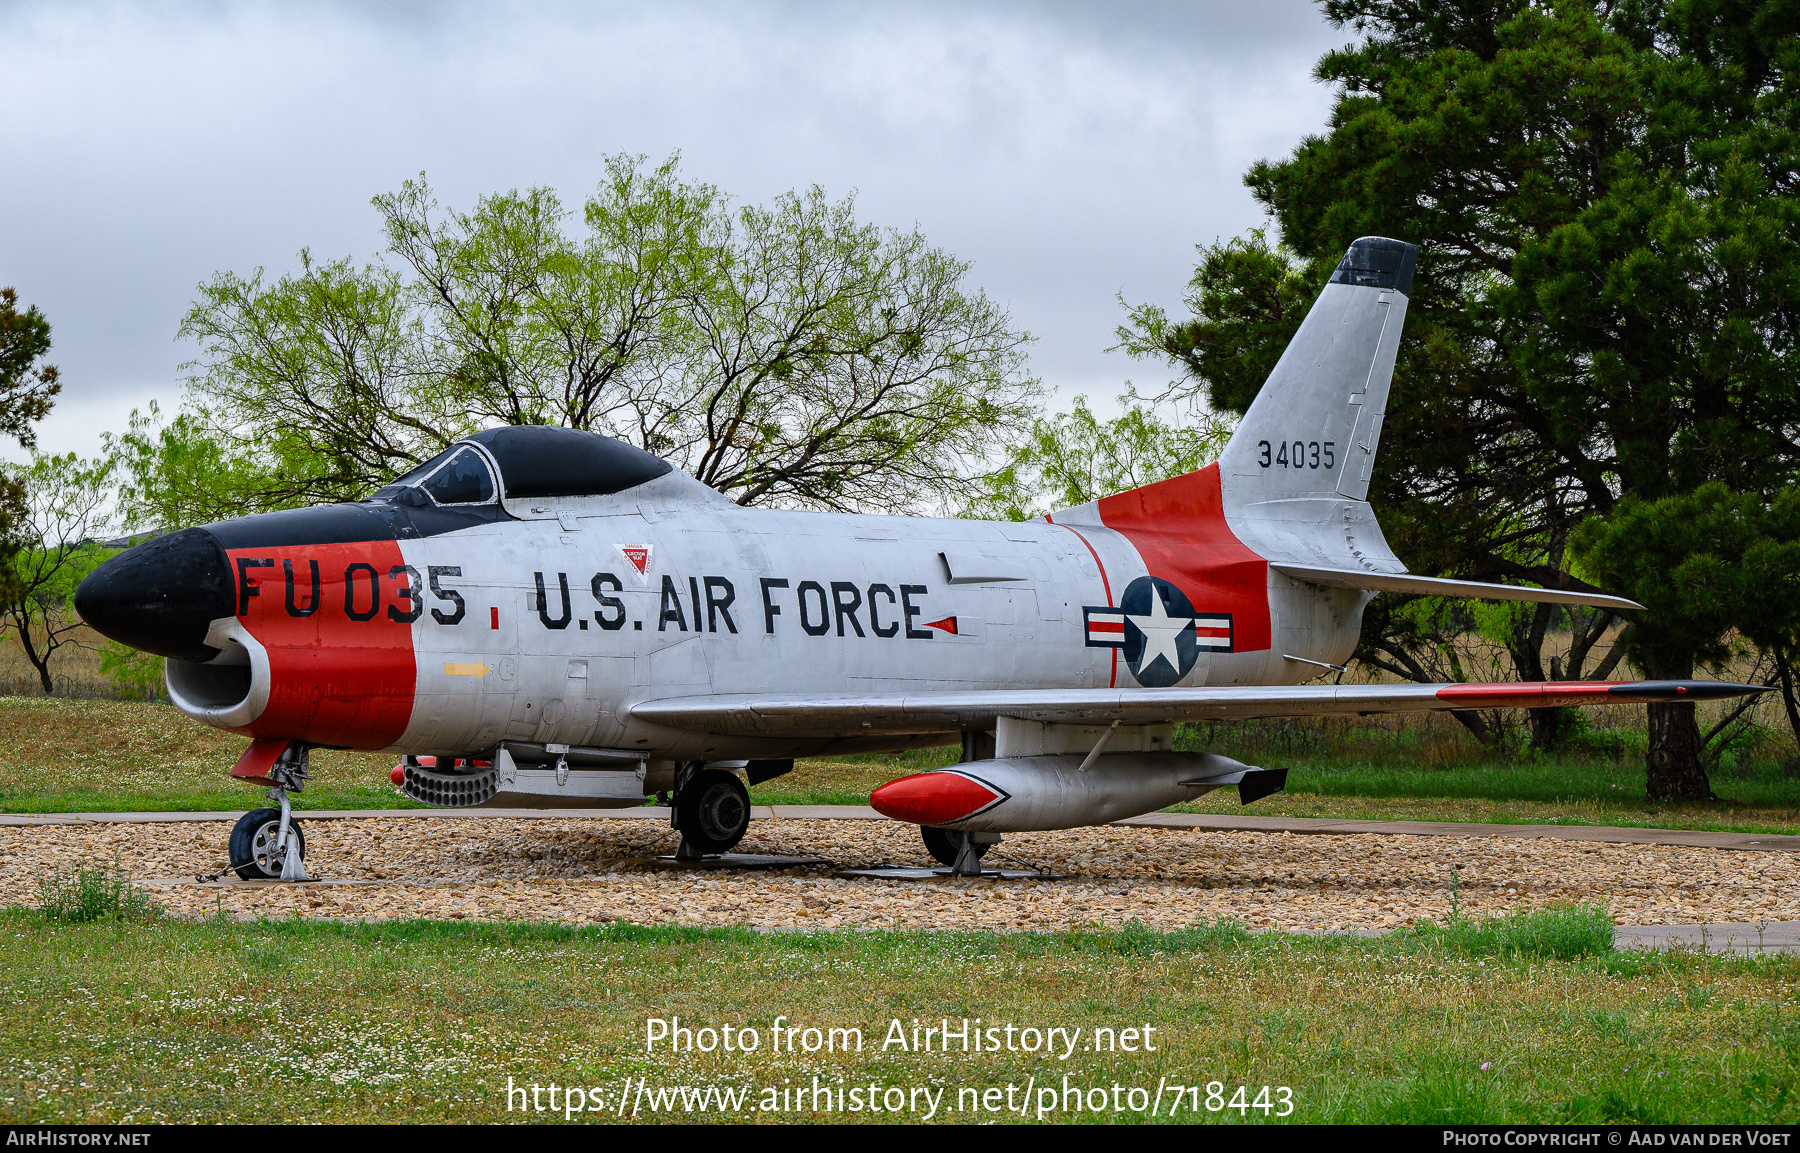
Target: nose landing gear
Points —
{"points": [[266, 844]]}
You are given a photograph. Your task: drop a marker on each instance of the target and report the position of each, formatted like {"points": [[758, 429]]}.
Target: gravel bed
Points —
{"points": [[579, 871]]}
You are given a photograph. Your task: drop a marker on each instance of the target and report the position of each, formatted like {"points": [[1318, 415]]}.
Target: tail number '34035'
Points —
{"points": [[1298, 454]]}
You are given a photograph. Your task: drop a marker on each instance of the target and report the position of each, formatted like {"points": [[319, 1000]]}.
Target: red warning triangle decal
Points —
{"points": [[948, 624], [638, 555]]}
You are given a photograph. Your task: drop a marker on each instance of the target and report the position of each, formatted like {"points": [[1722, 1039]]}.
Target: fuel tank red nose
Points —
{"points": [[162, 595], [934, 798]]}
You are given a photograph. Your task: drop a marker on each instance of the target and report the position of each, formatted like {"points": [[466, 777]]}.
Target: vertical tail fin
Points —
{"points": [[1314, 427]]}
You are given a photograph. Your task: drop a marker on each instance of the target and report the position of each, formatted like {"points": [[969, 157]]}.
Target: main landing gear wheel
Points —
{"points": [[713, 814], [253, 852], [944, 845]]}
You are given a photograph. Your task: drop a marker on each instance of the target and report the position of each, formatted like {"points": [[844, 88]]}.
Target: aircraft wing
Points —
{"points": [[1383, 582], [845, 714]]}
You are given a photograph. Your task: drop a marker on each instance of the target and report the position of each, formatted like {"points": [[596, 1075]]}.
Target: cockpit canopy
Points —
{"points": [[535, 461], [540, 460]]}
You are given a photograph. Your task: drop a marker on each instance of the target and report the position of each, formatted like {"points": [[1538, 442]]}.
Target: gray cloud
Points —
{"points": [[1072, 151]]}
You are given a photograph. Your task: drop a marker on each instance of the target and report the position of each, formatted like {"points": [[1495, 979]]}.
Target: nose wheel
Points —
{"points": [[266, 844], [712, 812], [257, 853]]}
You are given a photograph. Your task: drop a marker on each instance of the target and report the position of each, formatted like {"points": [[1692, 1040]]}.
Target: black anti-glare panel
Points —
{"points": [[542, 461], [374, 519]]}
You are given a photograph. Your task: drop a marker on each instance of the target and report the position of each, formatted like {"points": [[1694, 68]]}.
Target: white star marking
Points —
{"points": [[1160, 631]]}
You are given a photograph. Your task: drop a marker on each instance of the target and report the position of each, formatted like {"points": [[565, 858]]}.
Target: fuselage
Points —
{"points": [[535, 602], [535, 584], [544, 620]]}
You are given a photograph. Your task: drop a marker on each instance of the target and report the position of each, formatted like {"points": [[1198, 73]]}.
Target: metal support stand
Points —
{"points": [[967, 863], [977, 745]]}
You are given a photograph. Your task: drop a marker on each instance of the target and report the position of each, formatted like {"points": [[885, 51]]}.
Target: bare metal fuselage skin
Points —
{"points": [[423, 629], [547, 627]]}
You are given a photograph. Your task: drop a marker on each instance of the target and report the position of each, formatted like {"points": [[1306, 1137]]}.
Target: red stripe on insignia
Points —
{"points": [[1103, 627]]}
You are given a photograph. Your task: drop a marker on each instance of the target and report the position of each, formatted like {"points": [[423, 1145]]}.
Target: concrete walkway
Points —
{"points": [[639, 813], [1202, 822], [1332, 826], [1743, 940]]}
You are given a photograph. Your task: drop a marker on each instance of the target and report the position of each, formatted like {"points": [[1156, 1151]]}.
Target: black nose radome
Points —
{"points": [[161, 595]]}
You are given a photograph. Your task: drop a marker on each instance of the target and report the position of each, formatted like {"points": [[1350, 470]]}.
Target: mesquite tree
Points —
{"points": [[785, 354]]}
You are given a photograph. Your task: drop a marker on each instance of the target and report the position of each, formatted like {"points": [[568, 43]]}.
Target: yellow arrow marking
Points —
{"points": [[475, 669]]}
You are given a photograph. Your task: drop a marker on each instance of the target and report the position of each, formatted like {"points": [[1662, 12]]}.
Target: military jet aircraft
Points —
{"points": [[546, 617]]}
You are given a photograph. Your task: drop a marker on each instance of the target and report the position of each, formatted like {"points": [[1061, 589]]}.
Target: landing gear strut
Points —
{"points": [[711, 810], [961, 851], [266, 844]]}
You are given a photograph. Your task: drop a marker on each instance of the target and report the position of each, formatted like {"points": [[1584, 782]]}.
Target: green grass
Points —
{"points": [[1561, 931], [426, 1021], [1545, 780], [59, 755]]}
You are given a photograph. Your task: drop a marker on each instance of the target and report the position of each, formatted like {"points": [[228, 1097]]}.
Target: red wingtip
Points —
{"points": [[1528, 694], [1542, 694]]}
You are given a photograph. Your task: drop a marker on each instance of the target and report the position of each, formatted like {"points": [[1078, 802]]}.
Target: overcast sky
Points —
{"points": [[1073, 152]]}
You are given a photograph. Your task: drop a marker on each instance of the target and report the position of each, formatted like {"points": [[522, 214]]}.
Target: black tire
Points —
{"points": [[253, 844], [942, 846], [714, 811]]}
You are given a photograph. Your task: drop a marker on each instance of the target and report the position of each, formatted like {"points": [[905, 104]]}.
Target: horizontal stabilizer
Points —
{"points": [[970, 710], [1382, 582]]}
